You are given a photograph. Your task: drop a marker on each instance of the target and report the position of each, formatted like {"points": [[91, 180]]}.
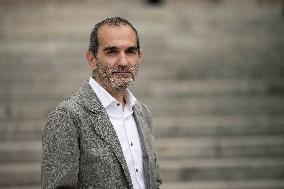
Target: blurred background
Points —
{"points": [[212, 75]]}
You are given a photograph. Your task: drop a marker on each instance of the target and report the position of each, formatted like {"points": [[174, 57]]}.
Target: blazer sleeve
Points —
{"points": [[60, 151]]}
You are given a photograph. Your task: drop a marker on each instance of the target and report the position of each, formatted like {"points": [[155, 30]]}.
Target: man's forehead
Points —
{"points": [[109, 34], [115, 27]]}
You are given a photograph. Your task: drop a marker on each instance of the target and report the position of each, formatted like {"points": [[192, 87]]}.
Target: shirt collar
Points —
{"points": [[129, 99], [106, 99]]}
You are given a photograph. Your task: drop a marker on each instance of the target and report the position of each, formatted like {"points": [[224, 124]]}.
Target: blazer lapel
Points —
{"points": [[102, 124], [105, 129], [141, 125]]}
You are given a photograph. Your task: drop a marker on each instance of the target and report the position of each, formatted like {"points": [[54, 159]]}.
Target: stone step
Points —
{"points": [[56, 14], [22, 90], [21, 130], [185, 68], [220, 147], [223, 125], [148, 72], [252, 184], [57, 17], [233, 65], [210, 87], [198, 66], [58, 35], [216, 105], [170, 126], [20, 152], [22, 187], [172, 148], [19, 174], [222, 169], [43, 50], [255, 184], [57, 89], [232, 42], [258, 105]]}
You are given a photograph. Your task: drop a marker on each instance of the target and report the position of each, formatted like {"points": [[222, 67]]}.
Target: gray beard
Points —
{"points": [[114, 82]]}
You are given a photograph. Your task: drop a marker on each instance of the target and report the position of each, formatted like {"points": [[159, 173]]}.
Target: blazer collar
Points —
{"points": [[88, 98]]}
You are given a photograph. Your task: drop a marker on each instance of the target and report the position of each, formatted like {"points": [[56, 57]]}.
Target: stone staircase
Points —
{"points": [[212, 75]]}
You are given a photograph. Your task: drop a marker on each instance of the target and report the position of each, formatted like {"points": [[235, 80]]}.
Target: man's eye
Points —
{"points": [[112, 52], [131, 51]]}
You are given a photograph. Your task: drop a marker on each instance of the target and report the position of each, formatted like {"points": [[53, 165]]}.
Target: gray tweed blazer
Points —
{"points": [[80, 148]]}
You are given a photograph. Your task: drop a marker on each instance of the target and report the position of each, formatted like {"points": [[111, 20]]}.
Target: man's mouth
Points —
{"points": [[121, 73]]}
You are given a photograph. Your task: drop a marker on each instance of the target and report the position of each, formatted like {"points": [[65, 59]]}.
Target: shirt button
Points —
{"points": [[136, 170], [131, 144], [117, 104]]}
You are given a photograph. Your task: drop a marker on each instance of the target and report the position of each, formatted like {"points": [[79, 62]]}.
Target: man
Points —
{"points": [[102, 137]]}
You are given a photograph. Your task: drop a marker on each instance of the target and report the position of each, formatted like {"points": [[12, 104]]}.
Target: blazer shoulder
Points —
{"points": [[65, 110], [69, 105], [146, 114], [143, 108]]}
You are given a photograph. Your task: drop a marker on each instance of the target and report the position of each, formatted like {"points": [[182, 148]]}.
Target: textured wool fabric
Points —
{"points": [[80, 148]]}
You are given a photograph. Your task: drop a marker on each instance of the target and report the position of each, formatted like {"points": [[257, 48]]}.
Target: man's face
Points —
{"points": [[117, 58]]}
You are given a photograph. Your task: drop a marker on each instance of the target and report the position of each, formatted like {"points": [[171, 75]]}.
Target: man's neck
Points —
{"points": [[117, 94]]}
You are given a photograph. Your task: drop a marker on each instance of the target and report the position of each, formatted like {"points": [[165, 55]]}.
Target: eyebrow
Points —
{"points": [[132, 48], [109, 48]]}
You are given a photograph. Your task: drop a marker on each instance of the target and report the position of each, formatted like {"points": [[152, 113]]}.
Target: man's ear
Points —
{"points": [[91, 60], [140, 55]]}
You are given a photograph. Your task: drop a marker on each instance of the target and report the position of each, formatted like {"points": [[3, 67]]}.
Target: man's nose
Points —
{"points": [[123, 60]]}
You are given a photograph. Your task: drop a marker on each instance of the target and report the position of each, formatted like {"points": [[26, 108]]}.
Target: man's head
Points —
{"points": [[114, 53], [112, 21]]}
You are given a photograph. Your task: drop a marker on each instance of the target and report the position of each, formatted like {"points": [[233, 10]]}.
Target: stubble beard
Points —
{"points": [[116, 82]]}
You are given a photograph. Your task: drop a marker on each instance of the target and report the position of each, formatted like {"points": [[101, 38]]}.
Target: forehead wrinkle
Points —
{"points": [[108, 37], [109, 47]]}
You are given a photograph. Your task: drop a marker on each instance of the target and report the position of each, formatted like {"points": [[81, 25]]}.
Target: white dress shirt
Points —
{"points": [[126, 129]]}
